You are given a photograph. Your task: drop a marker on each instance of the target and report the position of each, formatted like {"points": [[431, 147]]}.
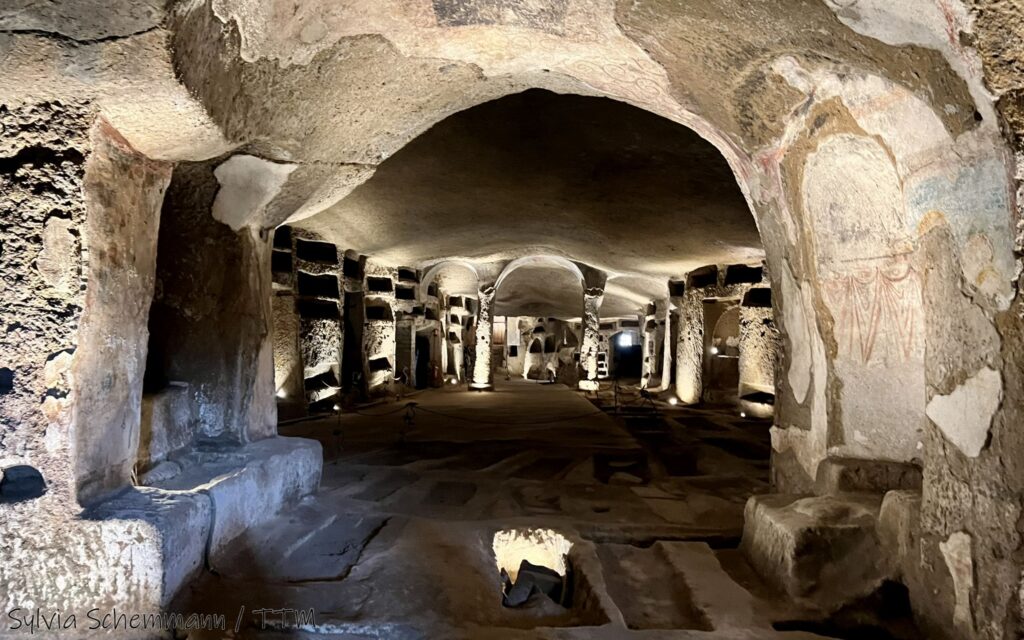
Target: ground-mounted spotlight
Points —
{"points": [[714, 351], [337, 408], [743, 414], [281, 393], [454, 382], [673, 401]]}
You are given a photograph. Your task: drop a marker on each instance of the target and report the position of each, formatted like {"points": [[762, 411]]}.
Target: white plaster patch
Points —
{"points": [[965, 415], [957, 553], [247, 185], [979, 266], [58, 261], [795, 318]]}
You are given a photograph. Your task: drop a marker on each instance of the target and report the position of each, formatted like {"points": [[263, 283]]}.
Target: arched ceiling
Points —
{"points": [[539, 291], [591, 179]]}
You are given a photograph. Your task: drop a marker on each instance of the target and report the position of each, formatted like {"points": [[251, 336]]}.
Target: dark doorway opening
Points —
{"points": [[422, 361], [627, 355]]}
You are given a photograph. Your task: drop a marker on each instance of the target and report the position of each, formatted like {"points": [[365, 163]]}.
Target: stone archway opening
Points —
{"points": [[872, 145]]}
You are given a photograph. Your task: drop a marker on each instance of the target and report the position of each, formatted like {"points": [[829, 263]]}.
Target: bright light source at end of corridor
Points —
{"points": [[626, 340]]}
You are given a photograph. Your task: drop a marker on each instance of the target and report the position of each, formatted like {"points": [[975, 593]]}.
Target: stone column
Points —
{"points": [[759, 348], [589, 346], [666, 344], [648, 324], [482, 362], [690, 349]]}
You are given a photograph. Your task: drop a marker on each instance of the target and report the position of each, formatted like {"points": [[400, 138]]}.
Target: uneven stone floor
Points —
{"points": [[398, 541]]}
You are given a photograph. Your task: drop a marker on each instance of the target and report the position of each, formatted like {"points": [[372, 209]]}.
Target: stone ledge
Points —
{"points": [[842, 475], [249, 485], [175, 545], [822, 551]]}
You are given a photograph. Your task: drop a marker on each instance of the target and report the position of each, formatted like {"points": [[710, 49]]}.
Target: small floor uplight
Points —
{"points": [[281, 393], [743, 414], [714, 351], [337, 408], [454, 382], [673, 401]]}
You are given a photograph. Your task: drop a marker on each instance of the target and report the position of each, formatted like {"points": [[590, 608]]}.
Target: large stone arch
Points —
{"points": [[937, 129]]}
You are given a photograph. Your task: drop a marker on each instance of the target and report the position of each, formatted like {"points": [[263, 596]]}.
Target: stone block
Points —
{"points": [[899, 530], [822, 551], [166, 424], [851, 475], [249, 485], [174, 546]]}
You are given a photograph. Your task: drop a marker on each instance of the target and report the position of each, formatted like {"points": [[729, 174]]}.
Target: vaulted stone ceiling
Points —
{"points": [[591, 179]]}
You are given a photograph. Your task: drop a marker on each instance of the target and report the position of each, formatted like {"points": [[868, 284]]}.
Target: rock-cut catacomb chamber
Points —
{"points": [[510, 318]]}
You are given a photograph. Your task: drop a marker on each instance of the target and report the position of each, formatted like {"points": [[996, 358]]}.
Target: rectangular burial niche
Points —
{"points": [[322, 286], [408, 275], [379, 311], [703, 277], [315, 251], [376, 284], [758, 297], [539, 586], [317, 309], [379, 364], [405, 292], [455, 302], [676, 288], [351, 268], [742, 274], [283, 238], [630, 324], [281, 261]]}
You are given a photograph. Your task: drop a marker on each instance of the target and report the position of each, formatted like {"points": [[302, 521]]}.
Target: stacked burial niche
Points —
{"points": [[380, 330], [318, 303], [289, 387]]}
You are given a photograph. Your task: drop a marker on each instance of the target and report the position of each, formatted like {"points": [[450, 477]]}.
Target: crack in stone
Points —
{"points": [[55, 35], [343, 575]]}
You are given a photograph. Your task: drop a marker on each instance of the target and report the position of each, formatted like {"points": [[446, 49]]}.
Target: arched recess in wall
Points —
{"points": [[555, 262], [885, 192], [453, 277], [548, 285]]}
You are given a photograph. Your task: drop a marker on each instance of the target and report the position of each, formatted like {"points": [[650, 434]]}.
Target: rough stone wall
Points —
{"points": [[210, 325], [591, 334], [482, 374], [42, 217], [123, 195], [82, 296], [287, 358], [379, 336], [78, 218], [759, 349]]}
